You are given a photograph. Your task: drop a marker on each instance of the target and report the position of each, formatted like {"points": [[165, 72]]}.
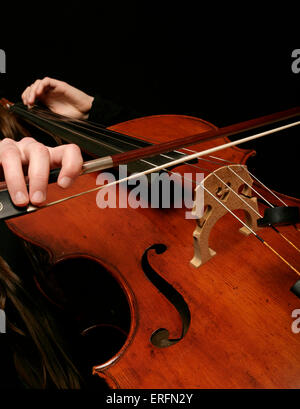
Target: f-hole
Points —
{"points": [[160, 337]]}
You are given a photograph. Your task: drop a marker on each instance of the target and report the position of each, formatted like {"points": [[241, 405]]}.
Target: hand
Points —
{"points": [[40, 159], [59, 97]]}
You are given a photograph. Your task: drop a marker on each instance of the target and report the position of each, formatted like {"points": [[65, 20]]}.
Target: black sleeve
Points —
{"points": [[107, 112]]}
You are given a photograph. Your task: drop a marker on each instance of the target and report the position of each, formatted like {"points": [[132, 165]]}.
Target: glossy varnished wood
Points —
{"points": [[240, 333]]}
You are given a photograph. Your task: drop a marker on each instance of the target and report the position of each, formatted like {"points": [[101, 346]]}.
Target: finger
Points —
{"points": [[50, 82], [38, 88], [32, 92], [25, 96], [44, 85], [70, 159], [38, 171], [42, 88], [10, 158]]}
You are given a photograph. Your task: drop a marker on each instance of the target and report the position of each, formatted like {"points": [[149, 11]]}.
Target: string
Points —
{"points": [[108, 132], [233, 143], [247, 204], [252, 208], [128, 178], [32, 208], [269, 190], [116, 136], [260, 182], [253, 232], [162, 155], [83, 136], [208, 160], [254, 190], [253, 176], [136, 146], [129, 143]]}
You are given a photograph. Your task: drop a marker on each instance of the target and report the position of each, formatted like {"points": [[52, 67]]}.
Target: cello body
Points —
{"points": [[237, 314]]}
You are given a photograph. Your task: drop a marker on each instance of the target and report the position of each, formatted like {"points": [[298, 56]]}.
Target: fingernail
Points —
{"points": [[20, 198], [65, 182], [38, 197]]}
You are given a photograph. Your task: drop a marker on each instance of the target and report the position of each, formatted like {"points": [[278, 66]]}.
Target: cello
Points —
{"points": [[209, 305]]}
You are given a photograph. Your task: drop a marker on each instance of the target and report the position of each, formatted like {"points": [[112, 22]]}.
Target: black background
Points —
{"points": [[221, 62]]}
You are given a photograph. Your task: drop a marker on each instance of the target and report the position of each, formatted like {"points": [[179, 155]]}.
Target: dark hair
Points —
{"points": [[38, 351], [10, 127]]}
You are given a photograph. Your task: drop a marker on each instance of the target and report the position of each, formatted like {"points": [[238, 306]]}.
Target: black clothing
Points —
{"points": [[107, 112]]}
